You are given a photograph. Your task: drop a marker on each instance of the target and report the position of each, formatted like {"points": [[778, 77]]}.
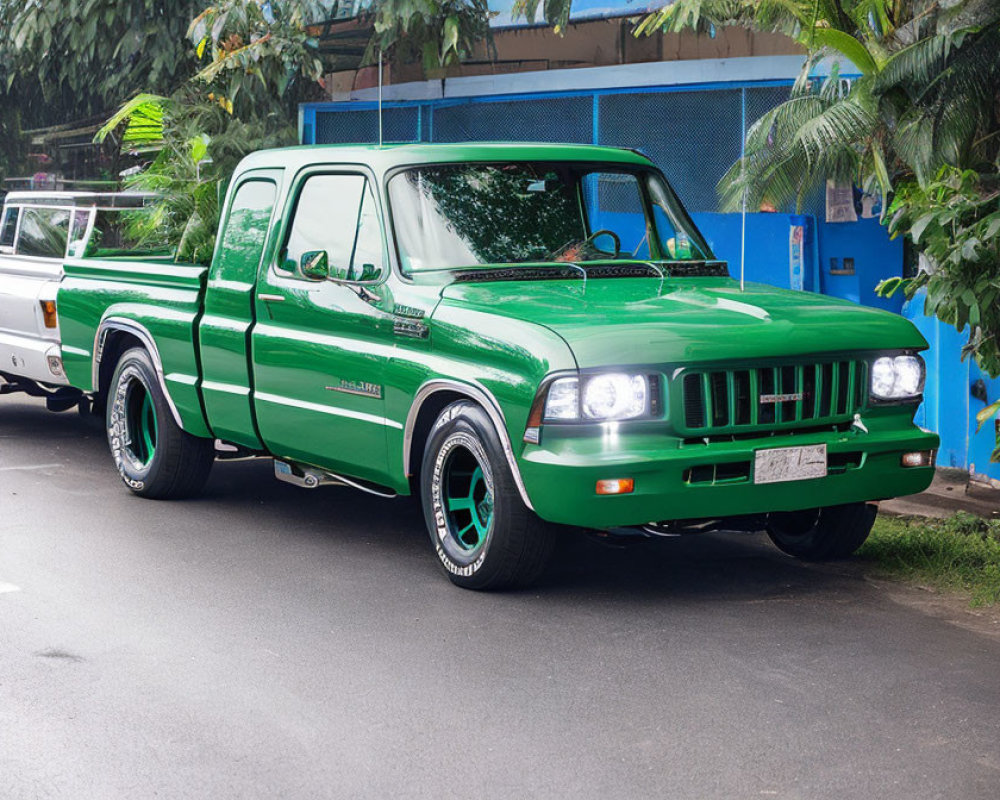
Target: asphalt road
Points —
{"points": [[268, 641]]}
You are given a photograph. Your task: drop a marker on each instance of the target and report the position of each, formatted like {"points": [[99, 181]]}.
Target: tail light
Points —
{"points": [[49, 314]]}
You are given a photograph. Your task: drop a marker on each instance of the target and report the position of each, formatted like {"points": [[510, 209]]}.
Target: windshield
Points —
{"points": [[461, 215]]}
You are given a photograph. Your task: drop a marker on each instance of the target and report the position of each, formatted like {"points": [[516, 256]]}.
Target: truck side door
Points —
{"points": [[224, 330], [321, 347]]}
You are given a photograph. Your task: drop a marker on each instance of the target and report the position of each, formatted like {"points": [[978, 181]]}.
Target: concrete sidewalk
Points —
{"points": [[951, 491]]}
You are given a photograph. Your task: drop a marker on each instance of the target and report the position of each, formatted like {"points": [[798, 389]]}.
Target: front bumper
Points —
{"points": [[677, 479]]}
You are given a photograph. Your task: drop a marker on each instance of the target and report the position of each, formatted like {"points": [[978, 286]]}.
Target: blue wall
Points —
{"points": [[949, 407], [767, 257], [876, 257]]}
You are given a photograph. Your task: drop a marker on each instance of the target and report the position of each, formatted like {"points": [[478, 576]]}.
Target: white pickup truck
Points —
{"points": [[38, 232]]}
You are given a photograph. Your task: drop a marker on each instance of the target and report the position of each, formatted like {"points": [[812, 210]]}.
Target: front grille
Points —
{"points": [[785, 396]]}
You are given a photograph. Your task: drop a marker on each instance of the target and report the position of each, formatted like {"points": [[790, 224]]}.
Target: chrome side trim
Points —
{"points": [[484, 398], [109, 324]]}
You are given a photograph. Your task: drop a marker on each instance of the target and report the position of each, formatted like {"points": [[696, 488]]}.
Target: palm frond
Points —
{"points": [[847, 46], [844, 123], [918, 63], [144, 116]]}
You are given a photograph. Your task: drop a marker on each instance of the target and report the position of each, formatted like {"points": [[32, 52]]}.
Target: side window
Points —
{"points": [[336, 213], [9, 227], [44, 232], [246, 231]]}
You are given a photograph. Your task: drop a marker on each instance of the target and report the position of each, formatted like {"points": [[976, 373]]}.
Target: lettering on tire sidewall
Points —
{"points": [[469, 442], [118, 436]]}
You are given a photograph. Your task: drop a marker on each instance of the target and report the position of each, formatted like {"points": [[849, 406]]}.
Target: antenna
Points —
{"points": [[743, 170], [380, 97]]}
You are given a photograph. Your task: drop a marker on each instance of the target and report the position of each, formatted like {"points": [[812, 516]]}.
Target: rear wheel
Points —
{"points": [[823, 534], [155, 458], [484, 535]]}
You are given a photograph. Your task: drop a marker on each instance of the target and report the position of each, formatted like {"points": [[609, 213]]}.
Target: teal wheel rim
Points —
{"points": [[468, 501], [140, 422]]}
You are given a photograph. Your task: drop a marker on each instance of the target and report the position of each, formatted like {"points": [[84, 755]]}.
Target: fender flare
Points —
{"points": [[134, 328], [482, 397]]}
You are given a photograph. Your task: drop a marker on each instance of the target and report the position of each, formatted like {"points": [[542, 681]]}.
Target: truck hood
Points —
{"points": [[620, 321]]}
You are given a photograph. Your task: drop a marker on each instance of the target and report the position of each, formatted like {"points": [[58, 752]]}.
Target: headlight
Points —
{"points": [[897, 377], [603, 397], [615, 396]]}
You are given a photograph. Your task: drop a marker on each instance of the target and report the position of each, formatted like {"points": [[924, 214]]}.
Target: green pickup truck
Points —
{"points": [[527, 336]]}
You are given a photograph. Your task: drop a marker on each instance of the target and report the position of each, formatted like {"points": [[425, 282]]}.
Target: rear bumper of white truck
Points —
{"points": [[39, 360]]}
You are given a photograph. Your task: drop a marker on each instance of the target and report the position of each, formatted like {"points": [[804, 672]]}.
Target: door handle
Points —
{"points": [[271, 298]]}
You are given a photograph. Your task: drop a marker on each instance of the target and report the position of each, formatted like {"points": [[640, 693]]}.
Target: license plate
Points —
{"points": [[789, 464]]}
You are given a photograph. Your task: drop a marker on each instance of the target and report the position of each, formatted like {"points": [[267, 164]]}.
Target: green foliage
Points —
{"points": [[926, 97], [921, 122], [961, 553], [68, 59], [256, 65], [554, 12], [256, 56], [438, 33], [143, 118], [795, 147], [256, 61], [14, 150], [955, 221], [202, 145], [922, 125], [704, 16]]}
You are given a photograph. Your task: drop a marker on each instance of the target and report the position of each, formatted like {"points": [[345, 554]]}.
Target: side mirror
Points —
{"points": [[315, 265]]}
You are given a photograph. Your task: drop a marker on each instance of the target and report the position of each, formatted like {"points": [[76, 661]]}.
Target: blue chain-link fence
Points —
{"points": [[694, 135]]}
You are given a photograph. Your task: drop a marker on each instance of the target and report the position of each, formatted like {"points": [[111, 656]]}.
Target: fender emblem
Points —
{"points": [[362, 388]]}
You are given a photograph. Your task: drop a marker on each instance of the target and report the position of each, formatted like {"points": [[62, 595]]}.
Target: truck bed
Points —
{"points": [[107, 303]]}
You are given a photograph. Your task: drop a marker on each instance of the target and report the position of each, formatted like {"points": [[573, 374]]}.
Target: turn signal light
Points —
{"points": [[49, 313], [920, 458], [616, 486]]}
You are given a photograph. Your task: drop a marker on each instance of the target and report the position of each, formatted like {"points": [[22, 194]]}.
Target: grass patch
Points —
{"points": [[959, 553]]}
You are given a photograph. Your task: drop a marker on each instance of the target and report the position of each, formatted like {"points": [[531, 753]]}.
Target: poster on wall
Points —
{"points": [[796, 240], [868, 204], [840, 202]]}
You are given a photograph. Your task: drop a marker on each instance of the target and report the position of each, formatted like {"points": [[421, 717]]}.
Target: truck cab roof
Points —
{"points": [[386, 157], [79, 199]]}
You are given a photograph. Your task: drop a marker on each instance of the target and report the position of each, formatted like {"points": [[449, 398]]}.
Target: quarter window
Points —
{"points": [[78, 232], [246, 231], [9, 228]]}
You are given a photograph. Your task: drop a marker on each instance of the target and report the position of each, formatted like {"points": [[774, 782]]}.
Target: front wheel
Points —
{"points": [[154, 457], [824, 534], [484, 535]]}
